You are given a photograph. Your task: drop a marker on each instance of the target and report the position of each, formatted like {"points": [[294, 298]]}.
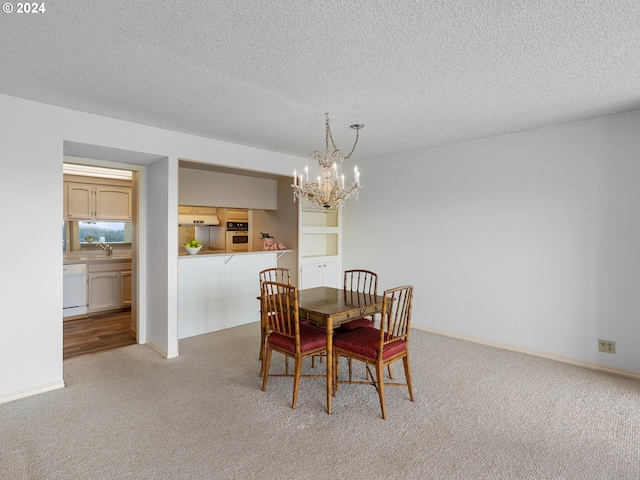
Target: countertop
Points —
{"points": [[123, 256], [95, 257], [221, 252]]}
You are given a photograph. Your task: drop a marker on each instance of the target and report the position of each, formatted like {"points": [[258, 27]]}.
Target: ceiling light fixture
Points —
{"points": [[329, 190]]}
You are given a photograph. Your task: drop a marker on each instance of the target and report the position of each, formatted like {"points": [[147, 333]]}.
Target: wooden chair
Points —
{"points": [[364, 281], [285, 333], [381, 346], [281, 275]]}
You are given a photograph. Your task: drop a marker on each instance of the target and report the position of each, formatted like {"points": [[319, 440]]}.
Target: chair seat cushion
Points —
{"points": [[311, 338], [365, 342], [361, 322]]}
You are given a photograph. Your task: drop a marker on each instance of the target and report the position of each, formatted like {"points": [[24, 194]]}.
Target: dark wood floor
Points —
{"points": [[97, 333]]}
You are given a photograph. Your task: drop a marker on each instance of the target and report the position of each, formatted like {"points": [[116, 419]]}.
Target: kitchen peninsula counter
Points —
{"points": [[218, 289]]}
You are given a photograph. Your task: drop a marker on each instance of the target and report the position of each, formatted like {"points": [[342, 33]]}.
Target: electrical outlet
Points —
{"points": [[607, 346]]}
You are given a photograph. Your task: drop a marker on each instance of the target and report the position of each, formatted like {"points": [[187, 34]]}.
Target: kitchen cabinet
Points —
{"points": [[125, 289], [109, 285], [91, 202], [103, 291], [320, 248]]}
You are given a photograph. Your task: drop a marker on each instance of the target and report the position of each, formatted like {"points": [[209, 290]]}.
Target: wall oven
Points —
{"points": [[237, 239]]}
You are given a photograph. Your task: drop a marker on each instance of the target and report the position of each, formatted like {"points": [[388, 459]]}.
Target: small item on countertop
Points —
{"points": [[270, 243], [192, 246]]}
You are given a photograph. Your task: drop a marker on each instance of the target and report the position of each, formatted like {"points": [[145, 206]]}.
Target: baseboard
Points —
{"points": [[557, 358], [32, 391], [162, 352]]}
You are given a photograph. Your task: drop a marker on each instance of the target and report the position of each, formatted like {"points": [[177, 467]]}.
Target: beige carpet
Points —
{"points": [[480, 413]]}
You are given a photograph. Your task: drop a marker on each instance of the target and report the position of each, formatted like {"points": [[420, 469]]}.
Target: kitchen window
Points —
{"points": [[74, 234]]}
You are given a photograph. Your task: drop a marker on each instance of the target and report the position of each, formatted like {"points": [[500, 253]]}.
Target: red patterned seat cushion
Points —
{"points": [[311, 338], [365, 341], [361, 322]]}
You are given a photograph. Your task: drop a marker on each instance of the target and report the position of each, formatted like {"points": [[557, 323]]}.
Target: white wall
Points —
{"points": [[31, 144], [282, 224], [528, 240]]}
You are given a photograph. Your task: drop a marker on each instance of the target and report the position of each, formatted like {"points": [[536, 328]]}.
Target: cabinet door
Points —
{"points": [[331, 275], [185, 209], [113, 203], [79, 201], [310, 275], [104, 291], [125, 289]]}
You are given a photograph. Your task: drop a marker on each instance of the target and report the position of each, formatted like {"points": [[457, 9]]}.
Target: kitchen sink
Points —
{"points": [[85, 256]]}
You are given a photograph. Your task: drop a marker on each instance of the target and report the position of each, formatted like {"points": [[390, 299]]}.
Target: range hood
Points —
{"points": [[198, 220]]}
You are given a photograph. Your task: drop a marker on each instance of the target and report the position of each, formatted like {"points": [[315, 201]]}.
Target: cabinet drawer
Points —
{"points": [[109, 266]]}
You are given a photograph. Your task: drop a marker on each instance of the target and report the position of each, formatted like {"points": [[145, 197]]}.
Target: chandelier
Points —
{"points": [[328, 190]]}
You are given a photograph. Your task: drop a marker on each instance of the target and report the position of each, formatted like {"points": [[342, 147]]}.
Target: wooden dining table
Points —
{"points": [[329, 307]]}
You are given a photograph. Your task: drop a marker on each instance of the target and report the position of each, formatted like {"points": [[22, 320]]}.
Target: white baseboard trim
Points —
{"points": [[161, 352], [557, 358], [32, 391]]}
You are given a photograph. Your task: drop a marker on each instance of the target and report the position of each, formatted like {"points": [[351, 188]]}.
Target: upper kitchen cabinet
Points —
{"points": [[97, 202]]}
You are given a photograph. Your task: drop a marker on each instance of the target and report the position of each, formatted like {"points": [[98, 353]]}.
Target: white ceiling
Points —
{"points": [[417, 73]]}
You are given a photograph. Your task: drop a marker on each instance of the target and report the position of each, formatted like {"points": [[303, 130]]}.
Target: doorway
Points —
{"points": [[105, 244]]}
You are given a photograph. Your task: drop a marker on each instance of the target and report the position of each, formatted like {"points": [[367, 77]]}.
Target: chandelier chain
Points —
{"points": [[329, 135]]}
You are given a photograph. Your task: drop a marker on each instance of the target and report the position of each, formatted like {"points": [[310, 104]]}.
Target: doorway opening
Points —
{"points": [[99, 234]]}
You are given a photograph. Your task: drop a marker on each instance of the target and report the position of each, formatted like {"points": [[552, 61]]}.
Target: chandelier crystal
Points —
{"points": [[329, 189]]}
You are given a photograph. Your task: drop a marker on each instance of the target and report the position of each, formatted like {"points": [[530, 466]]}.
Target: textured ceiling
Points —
{"points": [[262, 73]]}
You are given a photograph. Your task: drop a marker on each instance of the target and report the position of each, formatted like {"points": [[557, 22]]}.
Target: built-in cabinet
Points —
{"points": [[320, 274], [109, 285], [95, 202], [320, 248]]}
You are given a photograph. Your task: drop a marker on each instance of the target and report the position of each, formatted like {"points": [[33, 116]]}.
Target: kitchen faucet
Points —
{"points": [[107, 248]]}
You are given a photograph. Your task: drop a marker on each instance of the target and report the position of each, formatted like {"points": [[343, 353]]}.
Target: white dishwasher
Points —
{"points": [[74, 289]]}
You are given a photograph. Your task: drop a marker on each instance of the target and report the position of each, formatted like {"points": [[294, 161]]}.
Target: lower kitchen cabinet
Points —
{"points": [[125, 289], [109, 286], [320, 274]]}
